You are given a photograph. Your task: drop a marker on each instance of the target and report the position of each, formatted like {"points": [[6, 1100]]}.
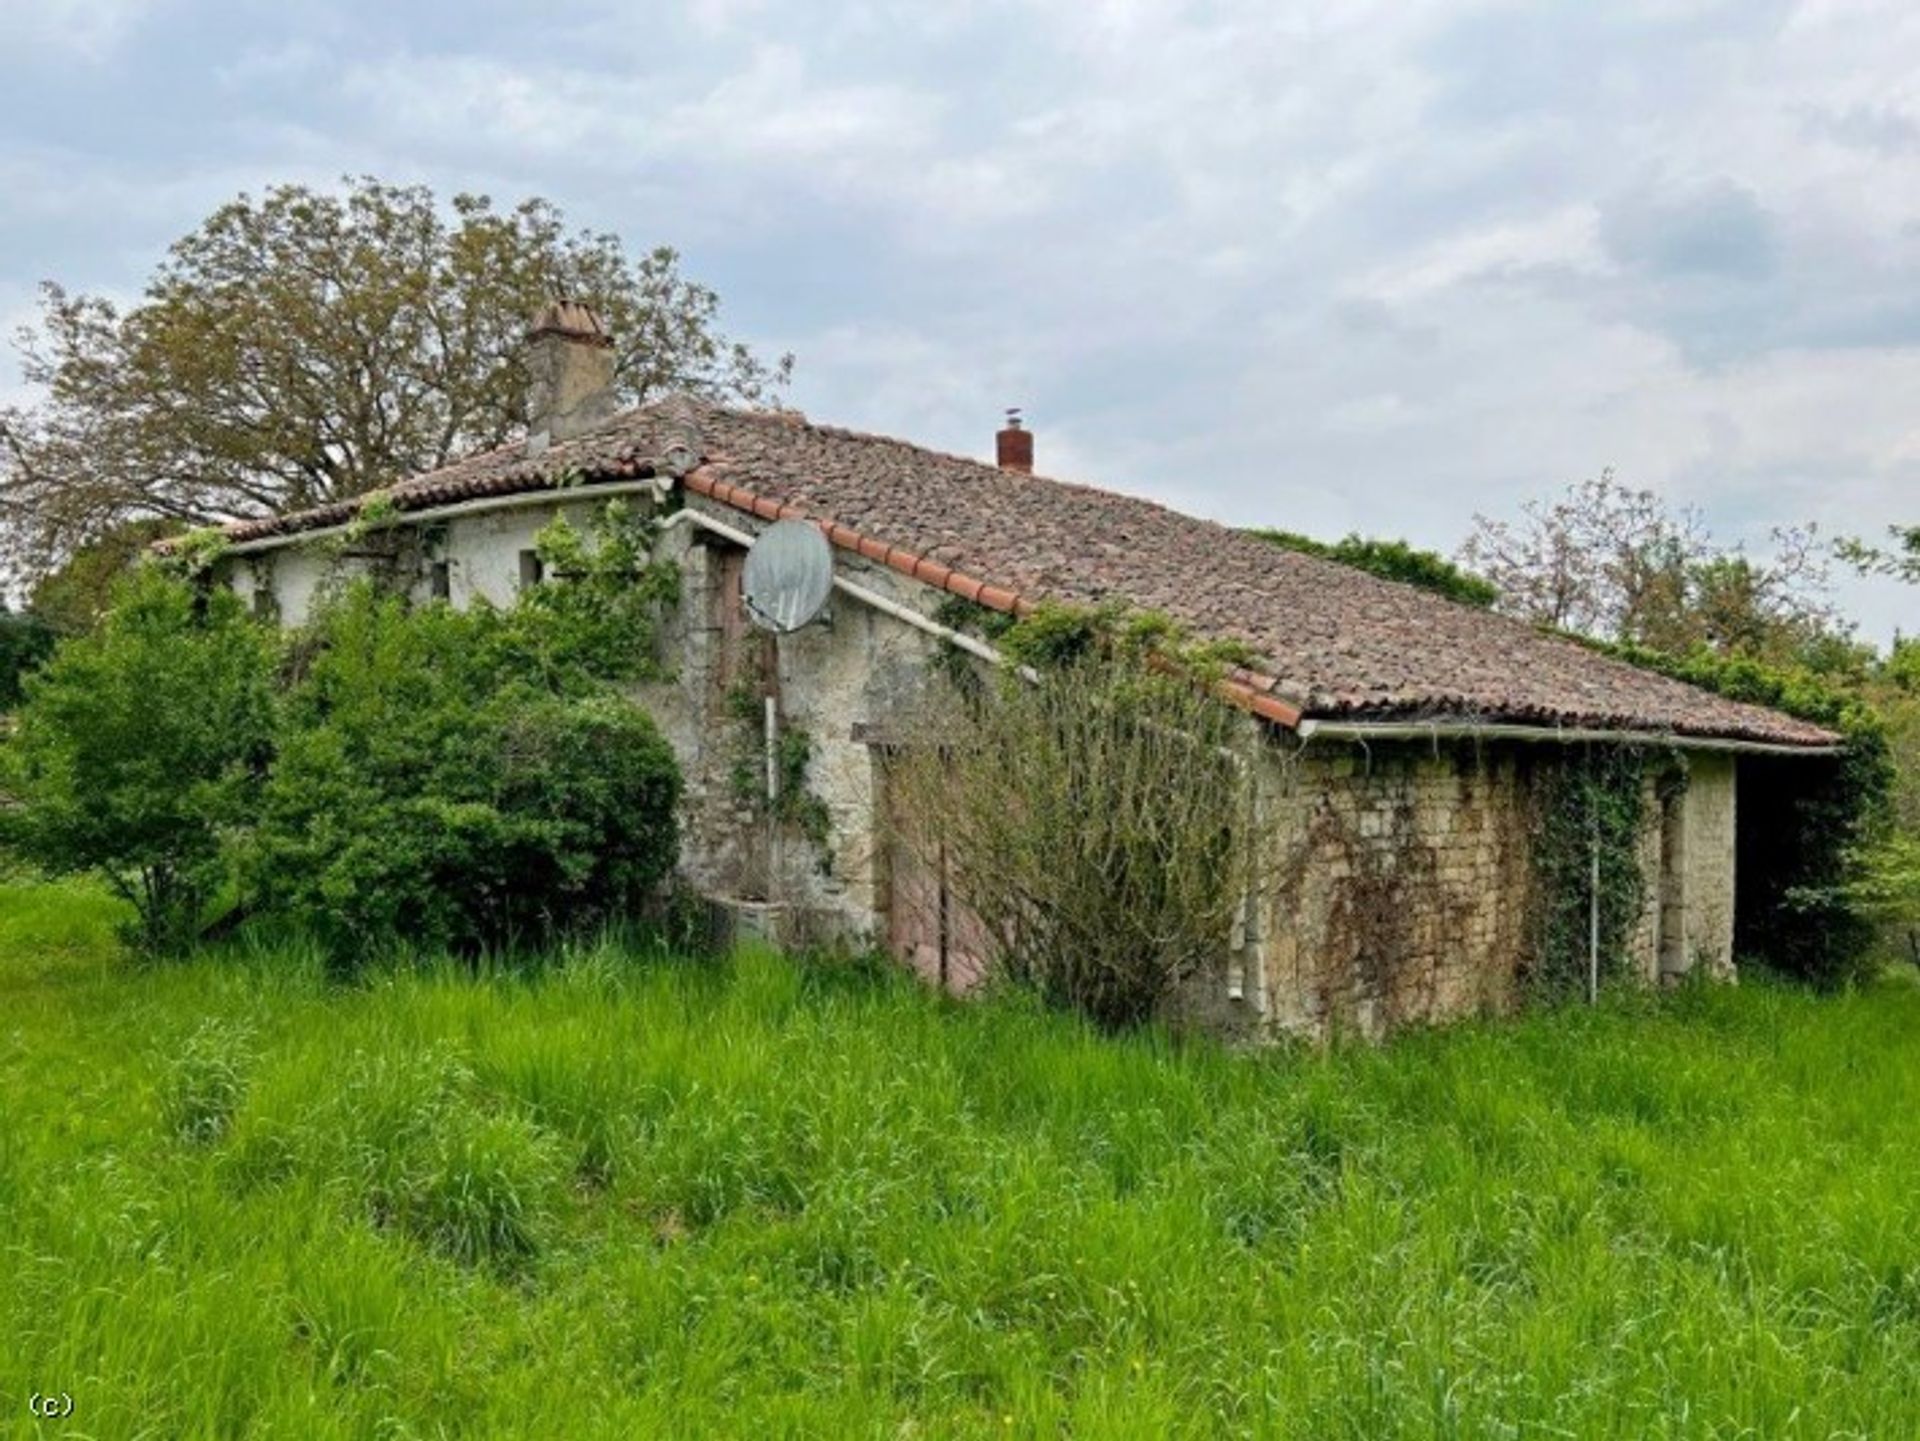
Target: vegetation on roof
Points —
{"points": [[1391, 560]]}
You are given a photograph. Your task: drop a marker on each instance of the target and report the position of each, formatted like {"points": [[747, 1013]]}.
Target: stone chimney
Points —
{"points": [[1013, 446], [570, 374]]}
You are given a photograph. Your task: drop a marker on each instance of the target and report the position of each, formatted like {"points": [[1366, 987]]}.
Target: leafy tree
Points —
{"points": [[1392, 560], [25, 641], [139, 745], [1901, 560], [307, 346], [1616, 564], [74, 597]]}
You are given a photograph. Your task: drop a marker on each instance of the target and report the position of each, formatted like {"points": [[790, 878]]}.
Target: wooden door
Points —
{"points": [[928, 926]]}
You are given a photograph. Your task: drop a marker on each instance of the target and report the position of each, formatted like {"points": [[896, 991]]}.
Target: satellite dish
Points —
{"points": [[788, 576]]}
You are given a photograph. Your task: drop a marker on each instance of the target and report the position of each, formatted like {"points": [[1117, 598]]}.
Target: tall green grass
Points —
{"points": [[646, 1197]]}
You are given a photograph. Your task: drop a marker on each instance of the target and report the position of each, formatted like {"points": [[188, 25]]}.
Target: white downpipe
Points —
{"points": [[1593, 911], [913, 618], [687, 515], [1470, 730]]}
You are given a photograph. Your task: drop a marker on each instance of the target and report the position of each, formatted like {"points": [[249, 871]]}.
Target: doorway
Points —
{"points": [[928, 925]]}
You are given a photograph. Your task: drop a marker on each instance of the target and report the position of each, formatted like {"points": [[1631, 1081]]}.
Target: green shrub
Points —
{"points": [[596, 788], [140, 745], [447, 779], [428, 791]]}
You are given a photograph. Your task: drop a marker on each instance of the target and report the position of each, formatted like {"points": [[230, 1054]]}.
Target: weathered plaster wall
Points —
{"points": [[482, 554]]}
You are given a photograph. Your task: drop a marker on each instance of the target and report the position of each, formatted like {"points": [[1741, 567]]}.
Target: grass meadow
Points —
{"points": [[633, 1196]]}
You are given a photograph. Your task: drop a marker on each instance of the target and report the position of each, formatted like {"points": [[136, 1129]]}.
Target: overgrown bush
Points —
{"points": [[409, 774], [1888, 891], [139, 750], [1096, 821], [429, 790]]}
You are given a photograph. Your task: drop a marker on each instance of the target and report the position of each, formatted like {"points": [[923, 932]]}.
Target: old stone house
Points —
{"points": [[1403, 738]]}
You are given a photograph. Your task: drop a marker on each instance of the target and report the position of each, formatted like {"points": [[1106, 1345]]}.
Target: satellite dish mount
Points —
{"points": [[785, 584]]}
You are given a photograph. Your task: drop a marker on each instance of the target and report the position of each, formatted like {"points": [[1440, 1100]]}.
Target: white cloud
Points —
{"points": [[87, 30]]}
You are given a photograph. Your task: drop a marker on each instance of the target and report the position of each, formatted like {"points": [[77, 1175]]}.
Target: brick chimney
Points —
{"points": [[1013, 446], [569, 374]]}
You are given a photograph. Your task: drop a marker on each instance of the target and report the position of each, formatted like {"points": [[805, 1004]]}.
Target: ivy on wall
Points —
{"points": [[794, 804], [1589, 813]]}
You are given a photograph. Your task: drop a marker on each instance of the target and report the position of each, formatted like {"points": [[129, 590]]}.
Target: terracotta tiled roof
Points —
{"points": [[1331, 641]]}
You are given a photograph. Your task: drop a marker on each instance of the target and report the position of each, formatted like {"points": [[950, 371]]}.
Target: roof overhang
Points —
{"points": [[1485, 730]]}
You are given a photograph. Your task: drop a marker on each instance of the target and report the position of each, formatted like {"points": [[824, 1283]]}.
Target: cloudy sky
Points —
{"points": [[1364, 265]]}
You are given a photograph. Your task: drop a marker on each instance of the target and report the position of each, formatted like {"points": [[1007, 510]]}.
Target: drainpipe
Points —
{"points": [[1593, 908]]}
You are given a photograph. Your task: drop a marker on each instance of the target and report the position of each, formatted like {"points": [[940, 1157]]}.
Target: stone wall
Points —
{"points": [[838, 682], [1399, 885], [1402, 891]]}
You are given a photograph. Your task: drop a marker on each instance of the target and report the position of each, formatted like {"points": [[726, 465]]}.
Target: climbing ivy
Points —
{"points": [[194, 553], [600, 622], [795, 804], [1589, 804]]}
